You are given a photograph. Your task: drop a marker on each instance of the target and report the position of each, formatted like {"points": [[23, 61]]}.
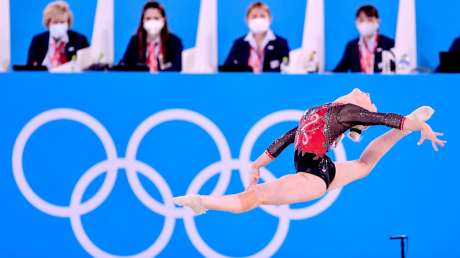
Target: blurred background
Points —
{"points": [[111, 108]]}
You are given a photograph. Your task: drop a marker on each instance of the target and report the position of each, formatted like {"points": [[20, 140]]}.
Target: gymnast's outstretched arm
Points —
{"points": [[273, 151], [352, 115]]}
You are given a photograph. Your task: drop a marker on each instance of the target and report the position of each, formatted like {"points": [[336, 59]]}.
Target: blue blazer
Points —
{"points": [[274, 53], [455, 47], [173, 60], [350, 60], [40, 43]]}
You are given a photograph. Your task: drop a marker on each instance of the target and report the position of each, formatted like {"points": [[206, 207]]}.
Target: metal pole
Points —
{"points": [[401, 238], [402, 248]]}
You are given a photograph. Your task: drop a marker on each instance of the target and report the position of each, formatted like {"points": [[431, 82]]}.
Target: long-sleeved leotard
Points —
{"points": [[320, 127]]}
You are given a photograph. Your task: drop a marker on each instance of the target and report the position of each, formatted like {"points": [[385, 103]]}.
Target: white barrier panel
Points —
{"points": [[102, 41], [203, 57], [310, 57], [5, 40], [406, 38]]}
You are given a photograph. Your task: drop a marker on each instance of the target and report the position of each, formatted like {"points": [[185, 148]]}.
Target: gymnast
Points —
{"points": [[320, 129]]}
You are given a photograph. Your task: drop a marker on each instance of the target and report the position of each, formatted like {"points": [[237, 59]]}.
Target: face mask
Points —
{"points": [[153, 27], [58, 30], [367, 28], [259, 25]]}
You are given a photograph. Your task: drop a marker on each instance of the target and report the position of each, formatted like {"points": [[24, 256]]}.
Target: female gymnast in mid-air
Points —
{"points": [[320, 128]]}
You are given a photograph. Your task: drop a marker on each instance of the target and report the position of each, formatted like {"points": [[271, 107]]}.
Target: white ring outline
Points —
{"points": [[190, 226], [26, 133], [171, 115], [75, 219]]}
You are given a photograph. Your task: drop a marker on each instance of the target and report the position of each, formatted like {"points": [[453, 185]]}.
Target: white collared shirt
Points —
{"points": [[252, 41], [371, 44], [367, 50], [49, 55], [257, 55]]}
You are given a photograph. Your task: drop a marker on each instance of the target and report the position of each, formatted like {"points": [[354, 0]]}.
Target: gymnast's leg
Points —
{"points": [[299, 187]]}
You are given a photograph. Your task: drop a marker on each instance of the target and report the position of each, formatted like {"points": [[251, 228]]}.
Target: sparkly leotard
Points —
{"points": [[319, 129]]}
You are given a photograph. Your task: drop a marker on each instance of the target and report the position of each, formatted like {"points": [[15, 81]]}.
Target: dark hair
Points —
{"points": [[142, 33], [368, 10], [258, 5]]}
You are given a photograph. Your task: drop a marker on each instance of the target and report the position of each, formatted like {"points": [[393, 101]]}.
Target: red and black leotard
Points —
{"points": [[319, 128]]}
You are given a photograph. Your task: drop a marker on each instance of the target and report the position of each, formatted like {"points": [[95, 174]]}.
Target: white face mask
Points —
{"points": [[259, 25], [367, 28], [153, 27], [58, 30]]}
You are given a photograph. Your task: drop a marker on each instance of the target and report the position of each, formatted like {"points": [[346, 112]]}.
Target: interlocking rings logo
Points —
{"points": [[132, 166]]}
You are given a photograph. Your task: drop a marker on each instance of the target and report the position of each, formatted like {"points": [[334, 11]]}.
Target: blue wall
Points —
{"points": [[413, 190], [437, 23]]}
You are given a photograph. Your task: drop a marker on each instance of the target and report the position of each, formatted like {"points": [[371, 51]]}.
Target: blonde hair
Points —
{"points": [[258, 5], [57, 8]]}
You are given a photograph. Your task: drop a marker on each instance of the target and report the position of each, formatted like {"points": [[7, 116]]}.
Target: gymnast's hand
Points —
{"points": [[254, 178], [428, 134]]}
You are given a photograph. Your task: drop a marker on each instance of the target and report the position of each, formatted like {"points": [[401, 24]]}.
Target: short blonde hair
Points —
{"points": [[258, 5], [56, 8]]}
